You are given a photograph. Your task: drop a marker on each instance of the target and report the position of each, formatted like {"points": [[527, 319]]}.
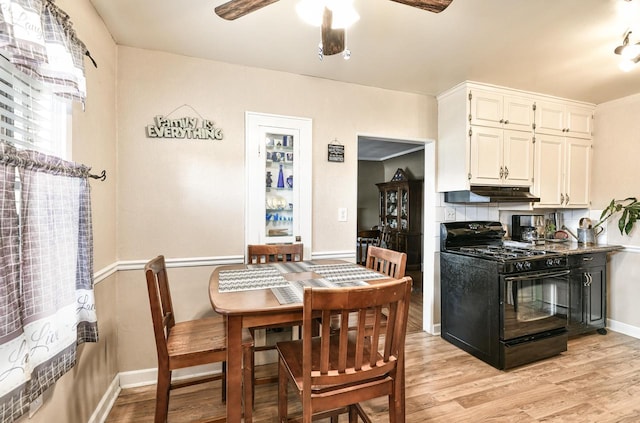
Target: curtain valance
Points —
{"points": [[38, 38]]}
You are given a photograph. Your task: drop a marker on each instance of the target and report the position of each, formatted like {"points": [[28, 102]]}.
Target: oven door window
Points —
{"points": [[534, 304]]}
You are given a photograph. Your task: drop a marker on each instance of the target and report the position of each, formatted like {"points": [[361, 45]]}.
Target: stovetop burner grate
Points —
{"points": [[502, 252]]}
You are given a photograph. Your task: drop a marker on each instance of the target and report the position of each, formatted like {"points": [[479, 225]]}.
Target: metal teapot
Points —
{"points": [[586, 236]]}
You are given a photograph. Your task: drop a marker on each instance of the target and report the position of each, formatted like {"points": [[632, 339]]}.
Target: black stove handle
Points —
{"points": [[537, 276]]}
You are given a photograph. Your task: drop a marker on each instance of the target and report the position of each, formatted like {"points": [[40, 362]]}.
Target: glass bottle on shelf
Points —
{"points": [[280, 178], [279, 213]]}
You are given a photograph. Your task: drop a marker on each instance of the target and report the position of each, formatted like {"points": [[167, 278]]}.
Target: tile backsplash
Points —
{"points": [[448, 212]]}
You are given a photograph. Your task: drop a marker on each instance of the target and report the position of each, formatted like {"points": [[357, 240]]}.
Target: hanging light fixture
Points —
{"points": [[312, 11], [629, 52], [334, 17]]}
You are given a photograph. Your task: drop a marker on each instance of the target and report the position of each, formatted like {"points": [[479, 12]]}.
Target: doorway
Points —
{"points": [[378, 160]]}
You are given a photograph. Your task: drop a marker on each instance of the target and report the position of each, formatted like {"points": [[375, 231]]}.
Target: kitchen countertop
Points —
{"points": [[570, 248]]}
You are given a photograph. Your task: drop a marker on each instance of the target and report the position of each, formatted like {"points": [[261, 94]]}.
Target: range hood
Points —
{"points": [[491, 194]]}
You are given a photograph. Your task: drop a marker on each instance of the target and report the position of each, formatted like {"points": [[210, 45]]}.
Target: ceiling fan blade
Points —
{"points": [[435, 6], [332, 39], [235, 9]]}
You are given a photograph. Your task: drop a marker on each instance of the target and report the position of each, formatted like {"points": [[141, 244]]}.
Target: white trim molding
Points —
{"points": [[623, 328], [109, 398]]}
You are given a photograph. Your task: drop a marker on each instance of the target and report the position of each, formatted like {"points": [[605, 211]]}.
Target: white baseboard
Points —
{"points": [[101, 412], [144, 377], [623, 328]]}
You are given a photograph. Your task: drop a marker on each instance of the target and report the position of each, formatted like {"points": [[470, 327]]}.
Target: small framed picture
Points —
{"points": [[336, 153]]}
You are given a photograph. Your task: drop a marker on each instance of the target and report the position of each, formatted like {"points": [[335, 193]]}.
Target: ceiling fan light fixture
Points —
{"points": [[627, 65], [343, 12], [630, 51], [310, 11]]}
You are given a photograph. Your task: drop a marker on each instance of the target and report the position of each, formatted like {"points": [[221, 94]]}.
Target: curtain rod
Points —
{"points": [[9, 154], [100, 177]]}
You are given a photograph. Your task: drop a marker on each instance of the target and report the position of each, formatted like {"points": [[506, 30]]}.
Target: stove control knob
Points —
{"points": [[558, 261], [519, 265], [527, 265], [549, 262]]}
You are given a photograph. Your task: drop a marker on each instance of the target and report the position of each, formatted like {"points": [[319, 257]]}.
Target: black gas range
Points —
{"points": [[505, 304]]}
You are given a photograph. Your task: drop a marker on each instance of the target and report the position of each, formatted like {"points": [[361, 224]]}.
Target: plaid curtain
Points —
{"points": [[38, 38], [46, 291]]}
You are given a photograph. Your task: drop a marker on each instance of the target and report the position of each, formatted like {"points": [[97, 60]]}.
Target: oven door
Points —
{"points": [[534, 303]]}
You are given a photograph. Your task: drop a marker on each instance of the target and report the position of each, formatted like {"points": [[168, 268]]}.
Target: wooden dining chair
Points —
{"points": [[263, 254], [274, 253], [365, 239], [391, 263], [341, 368], [189, 343]]}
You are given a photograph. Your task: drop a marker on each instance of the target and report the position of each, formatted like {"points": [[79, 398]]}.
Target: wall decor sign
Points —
{"points": [[336, 153], [186, 127]]}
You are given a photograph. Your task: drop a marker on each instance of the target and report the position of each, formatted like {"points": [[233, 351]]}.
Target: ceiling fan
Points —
{"points": [[333, 40]]}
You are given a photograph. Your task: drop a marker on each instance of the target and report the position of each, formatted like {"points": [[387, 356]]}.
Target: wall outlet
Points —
{"points": [[449, 214], [342, 214], [34, 406]]}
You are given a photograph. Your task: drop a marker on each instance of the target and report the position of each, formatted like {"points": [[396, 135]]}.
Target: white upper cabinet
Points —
{"points": [[562, 172], [563, 118], [486, 137], [500, 111], [501, 157]]}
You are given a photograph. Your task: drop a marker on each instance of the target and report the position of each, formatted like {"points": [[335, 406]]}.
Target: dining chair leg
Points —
{"points": [[247, 383], [283, 382], [224, 382], [162, 395]]}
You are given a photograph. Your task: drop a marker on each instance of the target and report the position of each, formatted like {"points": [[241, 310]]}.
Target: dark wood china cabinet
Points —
{"points": [[400, 212]]}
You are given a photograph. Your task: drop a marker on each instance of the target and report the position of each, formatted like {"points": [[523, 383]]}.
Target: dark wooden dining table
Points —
{"points": [[260, 307]]}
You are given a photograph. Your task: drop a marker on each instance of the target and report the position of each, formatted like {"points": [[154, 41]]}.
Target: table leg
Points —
{"points": [[234, 369]]}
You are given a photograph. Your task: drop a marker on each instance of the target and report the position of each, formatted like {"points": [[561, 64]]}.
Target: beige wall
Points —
{"points": [[75, 396], [616, 149], [182, 197], [185, 199], [369, 174]]}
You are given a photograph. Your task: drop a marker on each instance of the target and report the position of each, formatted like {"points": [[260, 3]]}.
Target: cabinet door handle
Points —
{"points": [[502, 121], [501, 172], [506, 172], [587, 258], [506, 122], [566, 197], [561, 198]]}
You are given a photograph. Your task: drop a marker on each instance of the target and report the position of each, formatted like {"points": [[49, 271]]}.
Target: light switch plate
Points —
{"points": [[342, 214]]}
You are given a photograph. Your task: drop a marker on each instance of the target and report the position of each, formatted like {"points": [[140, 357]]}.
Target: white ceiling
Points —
{"points": [[557, 47]]}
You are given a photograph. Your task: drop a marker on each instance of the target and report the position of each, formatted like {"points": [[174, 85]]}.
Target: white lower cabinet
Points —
{"points": [[562, 171]]}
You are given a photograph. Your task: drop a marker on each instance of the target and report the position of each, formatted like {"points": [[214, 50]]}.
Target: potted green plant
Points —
{"points": [[630, 208]]}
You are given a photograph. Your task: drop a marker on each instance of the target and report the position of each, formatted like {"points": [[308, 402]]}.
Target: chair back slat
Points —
{"points": [[391, 263], [274, 253], [160, 304], [351, 353]]}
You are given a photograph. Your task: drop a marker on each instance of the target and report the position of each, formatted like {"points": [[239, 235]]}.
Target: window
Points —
{"points": [[31, 116]]}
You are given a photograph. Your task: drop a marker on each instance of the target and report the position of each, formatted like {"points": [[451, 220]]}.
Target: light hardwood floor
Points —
{"points": [[596, 380]]}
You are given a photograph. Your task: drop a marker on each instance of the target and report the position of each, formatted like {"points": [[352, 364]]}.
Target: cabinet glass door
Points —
{"points": [[278, 191], [392, 209], [404, 209], [280, 200]]}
